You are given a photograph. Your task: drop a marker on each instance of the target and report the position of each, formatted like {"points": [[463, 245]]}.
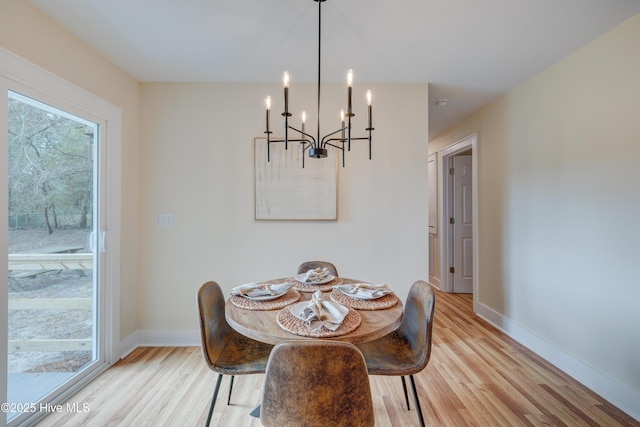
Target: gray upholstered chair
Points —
{"points": [[306, 266], [312, 383], [406, 350], [226, 351]]}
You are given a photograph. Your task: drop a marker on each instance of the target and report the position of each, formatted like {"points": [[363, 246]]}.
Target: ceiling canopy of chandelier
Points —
{"points": [[316, 145]]}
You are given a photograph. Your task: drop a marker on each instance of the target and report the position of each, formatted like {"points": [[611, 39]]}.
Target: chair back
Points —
{"points": [[316, 383], [308, 265], [213, 325], [417, 321]]}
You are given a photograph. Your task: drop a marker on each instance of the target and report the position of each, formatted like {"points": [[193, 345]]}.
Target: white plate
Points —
{"points": [[335, 312], [300, 278], [361, 294], [266, 297], [279, 288]]}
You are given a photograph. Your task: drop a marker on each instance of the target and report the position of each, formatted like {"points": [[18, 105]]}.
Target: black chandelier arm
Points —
{"points": [[360, 138], [313, 140], [335, 146], [338, 147], [272, 141], [291, 140], [268, 145], [323, 143], [370, 129], [306, 145], [286, 129], [366, 138], [349, 115], [286, 116]]}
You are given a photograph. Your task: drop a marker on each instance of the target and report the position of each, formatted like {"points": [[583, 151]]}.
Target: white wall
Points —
{"points": [[197, 164], [559, 202]]}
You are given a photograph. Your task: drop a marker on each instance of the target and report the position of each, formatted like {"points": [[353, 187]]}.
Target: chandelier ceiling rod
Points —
{"points": [[317, 146], [319, 58]]}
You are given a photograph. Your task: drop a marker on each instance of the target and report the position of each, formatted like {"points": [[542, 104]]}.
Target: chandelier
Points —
{"points": [[315, 145]]}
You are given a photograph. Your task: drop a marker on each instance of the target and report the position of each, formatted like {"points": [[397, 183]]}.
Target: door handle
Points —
{"points": [[91, 242]]}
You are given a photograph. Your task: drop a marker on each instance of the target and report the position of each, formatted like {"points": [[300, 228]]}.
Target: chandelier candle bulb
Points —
{"points": [[369, 107], [342, 123], [349, 90], [304, 119], [285, 81], [268, 102]]}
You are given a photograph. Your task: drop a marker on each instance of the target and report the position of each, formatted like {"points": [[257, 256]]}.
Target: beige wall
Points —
{"points": [[559, 202], [27, 32], [197, 165]]}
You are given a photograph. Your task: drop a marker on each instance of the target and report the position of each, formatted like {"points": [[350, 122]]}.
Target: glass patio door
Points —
{"points": [[54, 281]]}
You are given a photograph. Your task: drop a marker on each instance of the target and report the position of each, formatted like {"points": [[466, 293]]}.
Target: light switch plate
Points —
{"points": [[164, 220]]}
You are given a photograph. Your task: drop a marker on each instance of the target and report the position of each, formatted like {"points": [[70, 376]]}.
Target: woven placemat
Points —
{"points": [[305, 287], [289, 298], [387, 301], [289, 322]]}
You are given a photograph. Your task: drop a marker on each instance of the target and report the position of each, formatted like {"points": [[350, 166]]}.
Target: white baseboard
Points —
{"points": [[159, 338], [128, 344], [620, 395]]}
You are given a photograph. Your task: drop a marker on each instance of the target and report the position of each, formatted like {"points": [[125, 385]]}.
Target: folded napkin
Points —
{"points": [[365, 290], [319, 313], [261, 289], [316, 274]]}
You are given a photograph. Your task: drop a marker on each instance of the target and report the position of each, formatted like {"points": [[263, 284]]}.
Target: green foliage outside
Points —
{"points": [[50, 169]]}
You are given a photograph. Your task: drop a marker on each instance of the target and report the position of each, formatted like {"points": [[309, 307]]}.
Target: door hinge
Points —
{"points": [[451, 171], [452, 220], [452, 270]]}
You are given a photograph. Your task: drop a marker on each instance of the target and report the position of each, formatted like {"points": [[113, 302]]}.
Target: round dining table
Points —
{"points": [[262, 325]]}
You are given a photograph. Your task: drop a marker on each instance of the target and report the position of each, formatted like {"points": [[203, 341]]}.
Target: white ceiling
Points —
{"points": [[469, 51]]}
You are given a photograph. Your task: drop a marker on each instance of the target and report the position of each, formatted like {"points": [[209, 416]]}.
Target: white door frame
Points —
{"points": [[469, 142], [16, 71]]}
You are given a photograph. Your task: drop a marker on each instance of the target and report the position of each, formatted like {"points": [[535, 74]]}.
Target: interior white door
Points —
{"points": [[462, 225]]}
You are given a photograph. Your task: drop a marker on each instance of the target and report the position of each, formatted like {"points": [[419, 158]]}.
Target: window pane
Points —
{"points": [[52, 288]]}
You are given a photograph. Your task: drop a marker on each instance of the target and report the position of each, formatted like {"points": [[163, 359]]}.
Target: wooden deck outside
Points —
{"points": [[29, 265], [57, 261]]}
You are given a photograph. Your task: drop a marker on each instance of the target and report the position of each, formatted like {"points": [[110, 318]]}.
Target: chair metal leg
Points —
{"points": [[406, 395], [415, 396], [230, 388], [213, 399]]}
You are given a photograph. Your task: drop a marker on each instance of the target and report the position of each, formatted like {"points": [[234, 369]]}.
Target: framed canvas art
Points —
{"points": [[284, 190]]}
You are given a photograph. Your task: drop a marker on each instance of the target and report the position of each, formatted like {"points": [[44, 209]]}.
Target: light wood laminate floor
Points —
{"points": [[477, 376]]}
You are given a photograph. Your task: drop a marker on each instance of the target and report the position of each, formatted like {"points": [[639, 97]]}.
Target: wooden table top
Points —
{"points": [[261, 325]]}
